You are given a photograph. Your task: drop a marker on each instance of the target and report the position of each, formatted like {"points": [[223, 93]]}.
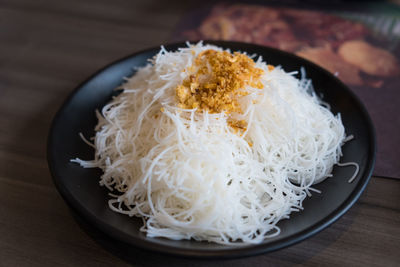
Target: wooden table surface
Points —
{"points": [[46, 49]]}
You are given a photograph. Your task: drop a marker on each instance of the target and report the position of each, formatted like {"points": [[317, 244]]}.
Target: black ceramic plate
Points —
{"points": [[80, 187]]}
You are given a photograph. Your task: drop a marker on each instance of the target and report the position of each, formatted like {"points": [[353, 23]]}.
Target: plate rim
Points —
{"points": [[228, 252]]}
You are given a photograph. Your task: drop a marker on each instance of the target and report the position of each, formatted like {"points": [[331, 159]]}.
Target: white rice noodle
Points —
{"points": [[190, 176]]}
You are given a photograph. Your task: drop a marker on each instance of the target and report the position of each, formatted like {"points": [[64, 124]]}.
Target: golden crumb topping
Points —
{"points": [[217, 81]]}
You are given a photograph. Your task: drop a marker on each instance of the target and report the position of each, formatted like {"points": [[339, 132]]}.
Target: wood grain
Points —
{"points": [[46, 49]]}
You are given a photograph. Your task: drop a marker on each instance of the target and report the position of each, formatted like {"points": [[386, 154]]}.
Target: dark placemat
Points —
{"points": [[359, 43]]}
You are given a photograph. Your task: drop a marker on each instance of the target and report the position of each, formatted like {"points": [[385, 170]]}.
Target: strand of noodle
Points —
{"points": [[86, 141], [355, 172]]}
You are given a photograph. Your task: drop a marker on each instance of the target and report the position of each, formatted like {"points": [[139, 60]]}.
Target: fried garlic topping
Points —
{"points": [[217, 80]]}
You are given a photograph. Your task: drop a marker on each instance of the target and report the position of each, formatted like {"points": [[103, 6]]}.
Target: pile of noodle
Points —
{"points": [[191, 176]]}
